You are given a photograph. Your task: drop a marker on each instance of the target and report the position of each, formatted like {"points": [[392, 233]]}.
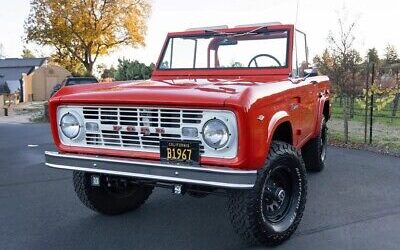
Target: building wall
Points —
{"points": [[27, 86], [39, 84]]}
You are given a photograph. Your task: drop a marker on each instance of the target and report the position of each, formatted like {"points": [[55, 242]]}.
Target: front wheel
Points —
{"points": [[270, 212], [112, 196]]}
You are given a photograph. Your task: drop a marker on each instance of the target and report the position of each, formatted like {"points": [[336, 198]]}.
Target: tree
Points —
{"points": [[27, 53], [391, 55], [70, 63], [344, 60], [353, 66], [327, 65], [132, 70], [372, 56], [108, 73], [392, 63], [104, 72], [84, 30]]}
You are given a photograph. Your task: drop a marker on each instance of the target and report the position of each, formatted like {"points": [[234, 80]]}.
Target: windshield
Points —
{"points": [[222, 50]]}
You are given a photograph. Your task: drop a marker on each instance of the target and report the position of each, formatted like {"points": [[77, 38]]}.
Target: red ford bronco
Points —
{"points": [[229, 110]]}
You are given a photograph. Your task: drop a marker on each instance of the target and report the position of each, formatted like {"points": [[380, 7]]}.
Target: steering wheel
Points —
{"points": [[263, 55]]}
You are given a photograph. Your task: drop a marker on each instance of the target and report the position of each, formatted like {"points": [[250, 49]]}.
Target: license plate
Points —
{"points": [[180, 151]]}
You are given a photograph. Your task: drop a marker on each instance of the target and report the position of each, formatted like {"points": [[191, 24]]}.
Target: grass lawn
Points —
{"points": [[385, 135]]}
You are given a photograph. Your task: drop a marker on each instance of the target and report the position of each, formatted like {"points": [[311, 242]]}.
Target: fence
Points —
{"points": [[377, 124]]}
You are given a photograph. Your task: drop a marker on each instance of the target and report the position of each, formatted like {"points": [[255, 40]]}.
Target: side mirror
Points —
{"points": [[310, 72]]}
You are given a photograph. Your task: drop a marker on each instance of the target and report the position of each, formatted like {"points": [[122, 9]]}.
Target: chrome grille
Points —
{"points": [[131, 120]]}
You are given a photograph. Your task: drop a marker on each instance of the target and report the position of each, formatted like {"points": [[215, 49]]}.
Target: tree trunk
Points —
{"points": [[352, 100], [345, 120], [89, 68]]}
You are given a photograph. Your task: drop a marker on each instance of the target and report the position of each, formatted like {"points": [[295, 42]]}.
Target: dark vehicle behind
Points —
{"points": [[70, 81]]}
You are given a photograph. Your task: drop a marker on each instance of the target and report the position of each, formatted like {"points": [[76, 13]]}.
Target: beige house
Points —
{"points": [[37, 86]]}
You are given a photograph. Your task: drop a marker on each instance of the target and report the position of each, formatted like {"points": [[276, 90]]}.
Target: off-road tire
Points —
{"points": [[100, 200], [313, 155], [245, 206]]}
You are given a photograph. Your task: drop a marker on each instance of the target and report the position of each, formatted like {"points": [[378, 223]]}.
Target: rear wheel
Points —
{"points": [[314, 152], [270, 212], [112, 196]]}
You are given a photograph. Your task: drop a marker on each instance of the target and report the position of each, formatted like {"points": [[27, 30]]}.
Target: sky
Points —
{"points": [[377, 22]]}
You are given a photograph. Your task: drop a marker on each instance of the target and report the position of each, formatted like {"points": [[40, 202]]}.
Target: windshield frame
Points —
{"points": [[285, 69]]}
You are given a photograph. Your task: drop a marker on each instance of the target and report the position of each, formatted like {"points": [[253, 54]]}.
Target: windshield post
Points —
{"points": [[172, 53], [195, 53]]}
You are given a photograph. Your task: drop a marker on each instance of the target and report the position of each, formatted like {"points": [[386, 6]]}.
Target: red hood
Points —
{"points": [[169, 92]]}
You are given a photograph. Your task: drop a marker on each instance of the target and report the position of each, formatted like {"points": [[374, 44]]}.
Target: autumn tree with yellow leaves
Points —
{"points": [[82, 30]]}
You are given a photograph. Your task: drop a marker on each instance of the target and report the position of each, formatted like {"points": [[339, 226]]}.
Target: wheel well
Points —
{"points": [[284, 133], [326, 111]]}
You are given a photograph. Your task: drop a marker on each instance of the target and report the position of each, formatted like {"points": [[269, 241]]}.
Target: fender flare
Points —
{"points": [[277, 119]]}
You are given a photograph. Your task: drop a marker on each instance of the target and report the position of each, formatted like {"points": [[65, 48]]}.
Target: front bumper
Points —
{"points": [[154, 170]]}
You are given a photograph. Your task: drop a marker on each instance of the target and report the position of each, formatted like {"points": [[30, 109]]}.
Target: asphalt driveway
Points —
{"points": [[353, 204]]}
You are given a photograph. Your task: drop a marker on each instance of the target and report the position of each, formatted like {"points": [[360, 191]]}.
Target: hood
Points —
{"points": [[167, 92]]}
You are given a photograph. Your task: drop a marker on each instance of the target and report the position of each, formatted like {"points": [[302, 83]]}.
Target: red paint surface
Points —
{"points": [[249, 93]]}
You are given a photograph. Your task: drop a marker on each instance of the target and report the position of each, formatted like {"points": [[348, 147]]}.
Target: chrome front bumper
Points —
{"points": [[154, 170]]}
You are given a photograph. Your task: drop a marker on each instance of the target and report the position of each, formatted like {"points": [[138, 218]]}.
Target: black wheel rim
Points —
{"points": [[324, 142], [278, 195]]}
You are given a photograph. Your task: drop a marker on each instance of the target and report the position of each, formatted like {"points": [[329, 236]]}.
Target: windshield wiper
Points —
{"points": [[219, 33], [251, 32]]}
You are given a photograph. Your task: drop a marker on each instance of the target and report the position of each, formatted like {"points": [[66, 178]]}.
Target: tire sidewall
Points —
{"points": [[245, 205], [294, 165], [324, 129]]}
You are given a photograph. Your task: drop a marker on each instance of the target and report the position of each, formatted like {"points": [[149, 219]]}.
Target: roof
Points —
{"points": [[13, 85], [11, 69], [21, 62]]}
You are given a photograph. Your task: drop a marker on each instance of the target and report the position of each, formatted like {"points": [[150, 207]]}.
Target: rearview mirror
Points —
{"points": [[227, 42]]}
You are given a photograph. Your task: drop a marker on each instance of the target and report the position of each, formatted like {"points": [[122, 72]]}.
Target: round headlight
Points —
{"points": [[70, 126], [215, 133]]}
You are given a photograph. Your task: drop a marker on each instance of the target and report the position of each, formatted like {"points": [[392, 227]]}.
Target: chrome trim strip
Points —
{"points": [[150, 163], [153, 170]]}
